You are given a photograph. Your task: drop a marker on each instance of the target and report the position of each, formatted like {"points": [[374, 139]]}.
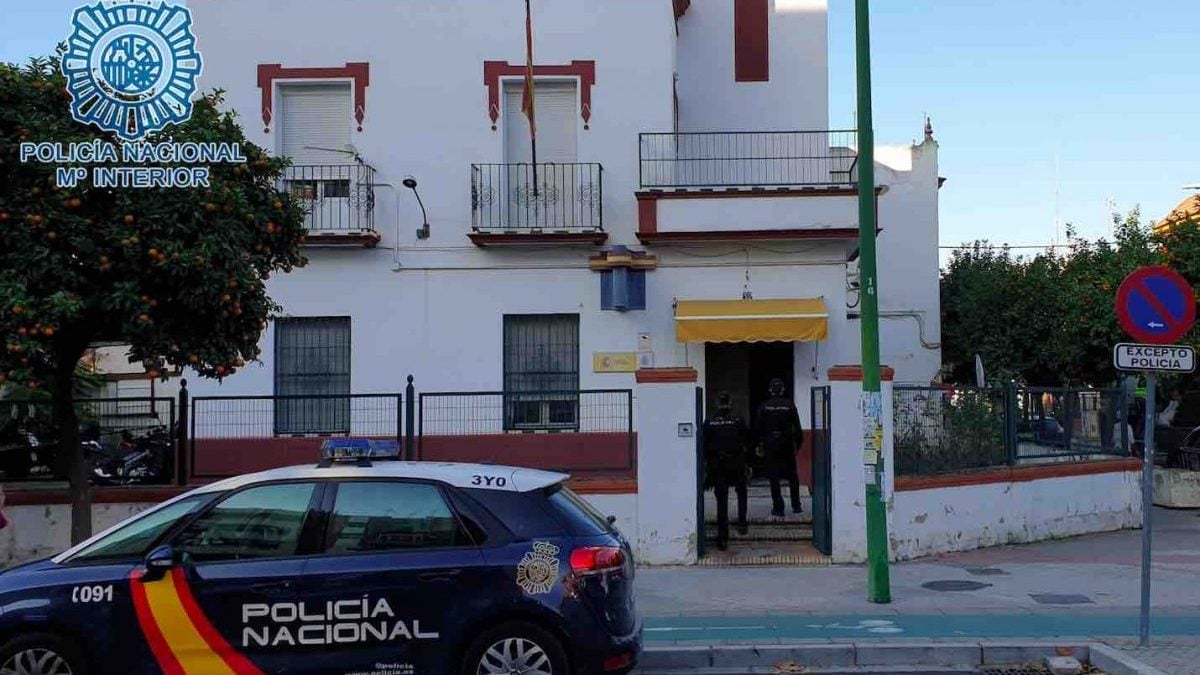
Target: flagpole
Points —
{"points": [[529, 95]]}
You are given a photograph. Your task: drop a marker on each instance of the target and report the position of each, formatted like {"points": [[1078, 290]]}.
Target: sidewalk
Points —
{"points": [[1083, 587]]}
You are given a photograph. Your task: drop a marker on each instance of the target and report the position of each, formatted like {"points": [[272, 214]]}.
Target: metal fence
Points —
{"points": [[943, 430], [297, 416], [207, 437], [338, 198], [545, 197], [604, 417], [29, 437], [747, 159]]}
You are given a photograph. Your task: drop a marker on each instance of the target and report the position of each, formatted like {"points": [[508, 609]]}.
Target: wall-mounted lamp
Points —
{"points": [[411, 183]]}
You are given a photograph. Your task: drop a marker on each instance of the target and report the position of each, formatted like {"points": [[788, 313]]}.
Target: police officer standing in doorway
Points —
{"points": [[725, 440], [780, 437]]}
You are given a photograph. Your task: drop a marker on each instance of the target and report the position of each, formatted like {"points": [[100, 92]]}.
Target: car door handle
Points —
{"points": [[440, 575], [272, 589]]}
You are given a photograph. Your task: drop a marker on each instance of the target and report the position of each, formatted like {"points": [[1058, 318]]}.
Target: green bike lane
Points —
{"points": [[770, 628]]}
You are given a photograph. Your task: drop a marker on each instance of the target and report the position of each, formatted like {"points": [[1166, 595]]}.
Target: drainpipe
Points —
{"points": [[904, 314]]}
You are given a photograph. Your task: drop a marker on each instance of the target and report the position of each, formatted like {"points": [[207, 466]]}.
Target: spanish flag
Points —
{"points": [[527, 98]]}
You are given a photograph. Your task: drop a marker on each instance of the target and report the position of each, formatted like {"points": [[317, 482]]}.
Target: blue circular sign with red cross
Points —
{"points": [[1156, 305]]}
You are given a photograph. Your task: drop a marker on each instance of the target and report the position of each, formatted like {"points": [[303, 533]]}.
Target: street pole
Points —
{"points": [[1147, 507], [878, 582]]}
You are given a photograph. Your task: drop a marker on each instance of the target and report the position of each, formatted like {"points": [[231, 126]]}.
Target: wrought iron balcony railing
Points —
{"points": [[746, 159], [540, 197], [338, 198]]}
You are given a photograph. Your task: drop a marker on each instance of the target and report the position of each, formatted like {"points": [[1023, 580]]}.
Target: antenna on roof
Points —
{"points": [[1057, 201]]}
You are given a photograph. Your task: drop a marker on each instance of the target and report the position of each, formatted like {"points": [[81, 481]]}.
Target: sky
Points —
{"points": [[1093, 100]]}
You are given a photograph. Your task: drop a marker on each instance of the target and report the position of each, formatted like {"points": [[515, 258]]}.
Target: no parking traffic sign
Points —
{"points": [[1156, 305]]}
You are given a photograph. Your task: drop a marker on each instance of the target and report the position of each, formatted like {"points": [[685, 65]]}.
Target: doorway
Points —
{"points": [[744, 369]]}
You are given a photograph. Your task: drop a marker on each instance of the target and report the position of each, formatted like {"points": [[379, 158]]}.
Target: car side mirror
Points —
{"points": [[160, 561], [612, 520]]}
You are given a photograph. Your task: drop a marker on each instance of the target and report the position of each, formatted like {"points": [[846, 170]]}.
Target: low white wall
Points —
{"points": [[1177, 488], [757, 213], [941, 520], [43, 530], [666, 500], [624, 507]]}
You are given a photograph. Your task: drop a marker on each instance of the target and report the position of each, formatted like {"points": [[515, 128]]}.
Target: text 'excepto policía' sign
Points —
{"points": [[1156, 358]]}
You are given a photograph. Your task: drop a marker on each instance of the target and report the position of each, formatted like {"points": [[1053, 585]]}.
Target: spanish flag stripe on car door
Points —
{"points": [[154, 637], [181, 637]]}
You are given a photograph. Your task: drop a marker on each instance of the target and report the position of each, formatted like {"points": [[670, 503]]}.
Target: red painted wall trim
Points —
{"points": [[647, 213], [268, 73], [731, 193], [854, 374], [15, 496], [483, 239], [584, 70], [751, 40], [665, 375], [1020, 474], [604, 485]]}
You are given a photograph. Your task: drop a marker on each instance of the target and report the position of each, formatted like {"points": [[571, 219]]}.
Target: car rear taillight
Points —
{"points": [[618, 662], [597, 559]]}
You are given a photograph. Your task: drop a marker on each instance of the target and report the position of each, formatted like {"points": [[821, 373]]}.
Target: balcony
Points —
{"points": [[338, 200], [765, 179], [537, 203]]}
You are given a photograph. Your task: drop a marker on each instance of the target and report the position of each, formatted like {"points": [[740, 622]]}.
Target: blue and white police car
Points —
{"points": [[353, 566]]}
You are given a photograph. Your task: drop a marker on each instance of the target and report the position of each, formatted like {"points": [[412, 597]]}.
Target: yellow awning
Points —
{"points": [[751, 320]]}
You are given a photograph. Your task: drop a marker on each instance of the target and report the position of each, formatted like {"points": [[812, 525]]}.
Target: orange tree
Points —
{"points": [[177, 274], [1050, 319]]}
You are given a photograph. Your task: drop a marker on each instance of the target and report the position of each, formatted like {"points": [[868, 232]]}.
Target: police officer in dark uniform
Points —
{"points": [[725, 441], [780, 437]]}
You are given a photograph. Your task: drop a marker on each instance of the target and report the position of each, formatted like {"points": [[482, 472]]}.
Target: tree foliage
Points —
{"points": [[1049, 319], [178, 274]]}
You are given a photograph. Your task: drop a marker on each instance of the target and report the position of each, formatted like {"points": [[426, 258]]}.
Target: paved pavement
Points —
{"points": [[1176, 656], [1082, 587]]}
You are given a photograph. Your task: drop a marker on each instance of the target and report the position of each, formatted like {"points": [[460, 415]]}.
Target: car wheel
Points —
{"points": [[40, 654], [515, 647]]}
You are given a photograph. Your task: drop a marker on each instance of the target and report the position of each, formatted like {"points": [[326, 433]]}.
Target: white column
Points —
{"points": [[666, 500], [847, 471]]}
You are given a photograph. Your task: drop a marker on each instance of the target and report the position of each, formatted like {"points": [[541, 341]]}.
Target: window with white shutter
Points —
{"points": [[314, 123], [314, 130], [556, 107]]}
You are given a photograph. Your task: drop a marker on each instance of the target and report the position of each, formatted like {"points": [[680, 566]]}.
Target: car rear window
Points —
{"points": [[582, 519], [521, 512]]}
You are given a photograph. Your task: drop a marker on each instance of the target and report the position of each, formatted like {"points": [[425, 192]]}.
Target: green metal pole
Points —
{"points": [[878, 581]]}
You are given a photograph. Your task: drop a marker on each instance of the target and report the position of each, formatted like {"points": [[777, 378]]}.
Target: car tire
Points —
{"points": [[42, 654], [521, 642]]}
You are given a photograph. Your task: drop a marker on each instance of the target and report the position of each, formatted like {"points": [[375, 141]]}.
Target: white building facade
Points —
{"points": [[687, 174]]}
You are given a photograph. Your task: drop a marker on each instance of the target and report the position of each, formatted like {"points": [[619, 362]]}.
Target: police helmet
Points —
{"points": [[776, 388], [724, 402]]}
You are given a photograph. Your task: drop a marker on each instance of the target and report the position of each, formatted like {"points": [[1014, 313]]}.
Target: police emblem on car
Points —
{"points": [[131, 67], [538, 569]]}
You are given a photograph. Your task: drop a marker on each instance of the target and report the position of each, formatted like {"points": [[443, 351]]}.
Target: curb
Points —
{"points": [[1116, 662], [826, 655]]}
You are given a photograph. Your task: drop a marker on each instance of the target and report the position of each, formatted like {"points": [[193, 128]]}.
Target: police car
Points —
{"points": [[352, 566]]}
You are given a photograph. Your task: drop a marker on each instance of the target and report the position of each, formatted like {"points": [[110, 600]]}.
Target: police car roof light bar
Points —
{"points": [[360, 451]]}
